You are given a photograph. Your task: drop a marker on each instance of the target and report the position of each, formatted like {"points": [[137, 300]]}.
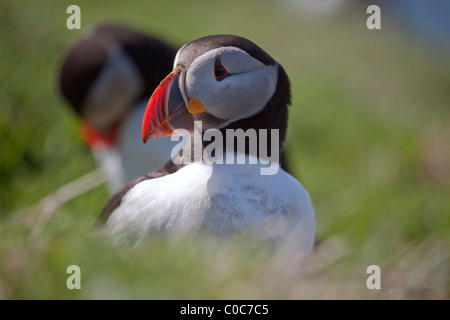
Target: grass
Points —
{"points": [[368, 137]]}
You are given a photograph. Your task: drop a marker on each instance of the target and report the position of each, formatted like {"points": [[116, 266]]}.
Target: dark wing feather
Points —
{"points": [[116, 200]]}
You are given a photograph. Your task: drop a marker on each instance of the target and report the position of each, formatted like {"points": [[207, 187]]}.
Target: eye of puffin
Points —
{"points": [[219, 70]]}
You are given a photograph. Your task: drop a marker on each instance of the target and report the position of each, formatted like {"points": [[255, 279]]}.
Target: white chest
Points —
{"points": [[221, 199]]}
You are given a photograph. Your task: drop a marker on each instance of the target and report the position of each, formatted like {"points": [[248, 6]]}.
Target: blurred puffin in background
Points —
{"points": [[107, 77], [226, 82]]}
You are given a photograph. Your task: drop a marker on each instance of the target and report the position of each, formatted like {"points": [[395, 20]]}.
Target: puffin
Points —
{"points": [[107, 77], [219, 84]]}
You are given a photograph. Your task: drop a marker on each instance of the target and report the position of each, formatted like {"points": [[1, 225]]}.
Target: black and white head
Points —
{"points": [[109, 70], [225, 81]]}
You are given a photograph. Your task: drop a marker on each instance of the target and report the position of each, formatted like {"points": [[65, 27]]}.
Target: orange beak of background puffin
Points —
{"points": [[166, 110]]}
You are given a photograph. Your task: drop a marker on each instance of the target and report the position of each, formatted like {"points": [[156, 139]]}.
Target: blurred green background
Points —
{"points": [[369, 138]]}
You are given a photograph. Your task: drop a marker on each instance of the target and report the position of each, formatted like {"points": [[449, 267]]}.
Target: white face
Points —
{"points": [[242, 94], [112, 93]]}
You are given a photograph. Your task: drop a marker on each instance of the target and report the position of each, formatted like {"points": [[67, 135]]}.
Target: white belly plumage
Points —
{"points": [[221, 199]]}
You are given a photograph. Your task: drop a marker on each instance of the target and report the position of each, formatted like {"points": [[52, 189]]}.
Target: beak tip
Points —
{"points": [[155, 123]]}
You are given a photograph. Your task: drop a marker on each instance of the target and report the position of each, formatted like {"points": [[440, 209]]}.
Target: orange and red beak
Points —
{"points": [[166, 110]]}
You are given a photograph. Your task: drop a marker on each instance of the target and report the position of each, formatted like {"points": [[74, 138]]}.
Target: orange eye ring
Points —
{"points": [[219, 70]]}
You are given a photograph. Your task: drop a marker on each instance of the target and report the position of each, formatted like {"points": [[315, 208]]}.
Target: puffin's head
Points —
{"points": [[107, 72], [223, 81]]}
